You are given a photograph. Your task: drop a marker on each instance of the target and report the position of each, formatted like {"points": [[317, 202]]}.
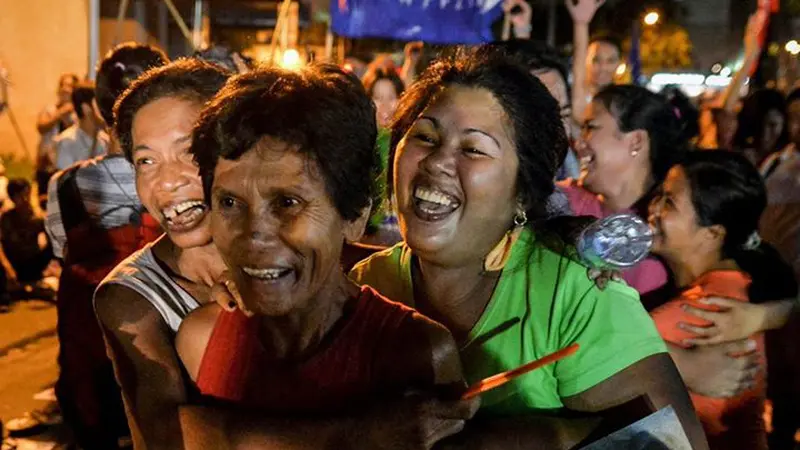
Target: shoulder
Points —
{"points": [[193, 336], [379, 261], [387, 272], [581, 201]]}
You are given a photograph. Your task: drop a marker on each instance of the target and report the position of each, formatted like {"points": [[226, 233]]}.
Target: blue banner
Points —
{"points": [[431, 21]]}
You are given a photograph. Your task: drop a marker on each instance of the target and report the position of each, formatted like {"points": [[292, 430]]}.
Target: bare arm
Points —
{"points": [[582, 12], [47, 120], [657, 381], [146, 366], [752, 51]]}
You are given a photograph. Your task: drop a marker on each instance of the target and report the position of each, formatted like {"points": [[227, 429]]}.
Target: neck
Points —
{"points": [[454, 296], [299, 333], [690, 265], [628, 194], [88, 126]]}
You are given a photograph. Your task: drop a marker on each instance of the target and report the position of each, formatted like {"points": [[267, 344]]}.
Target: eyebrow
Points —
{"points": [[468, 130], [180, 140]]}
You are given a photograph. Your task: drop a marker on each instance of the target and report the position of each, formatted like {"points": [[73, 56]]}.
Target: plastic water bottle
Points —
{"points": [[616, 242]]}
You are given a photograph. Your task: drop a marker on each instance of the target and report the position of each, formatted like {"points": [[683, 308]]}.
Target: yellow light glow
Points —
{"points": [[291, 59], [651, 18], [621, 69]]}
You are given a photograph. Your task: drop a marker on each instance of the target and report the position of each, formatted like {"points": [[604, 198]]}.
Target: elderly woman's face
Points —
{"points": [[277, 228], [455, 177], [167, 178], [608, 158]]}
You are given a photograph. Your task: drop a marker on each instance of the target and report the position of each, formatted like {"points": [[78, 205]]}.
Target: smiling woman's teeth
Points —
{"points": [[266, 274], [176, 210], [433, 196]]}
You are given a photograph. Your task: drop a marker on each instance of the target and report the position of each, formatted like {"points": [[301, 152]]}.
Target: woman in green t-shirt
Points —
{"points": [[475, 146]]}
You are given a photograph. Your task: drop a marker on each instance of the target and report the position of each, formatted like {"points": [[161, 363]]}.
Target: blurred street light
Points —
{"points": [[726, 72], [793, 47], [651, 18]]}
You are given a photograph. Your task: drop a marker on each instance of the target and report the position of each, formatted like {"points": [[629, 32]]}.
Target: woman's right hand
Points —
{"points": [[415, 422], [582, 11], [720, 371], [225, 293]]}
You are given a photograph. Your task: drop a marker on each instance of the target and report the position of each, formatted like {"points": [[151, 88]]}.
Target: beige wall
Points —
{"points": [[39, 40]]}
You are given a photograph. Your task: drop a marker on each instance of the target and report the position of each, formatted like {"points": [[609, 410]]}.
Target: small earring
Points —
{"points": [[634, 153], [520, 219]]}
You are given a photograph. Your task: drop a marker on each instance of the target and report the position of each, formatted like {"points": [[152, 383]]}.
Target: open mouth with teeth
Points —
{"points": [[432, 204], [587, 162], [185, 215], [268, 274]]}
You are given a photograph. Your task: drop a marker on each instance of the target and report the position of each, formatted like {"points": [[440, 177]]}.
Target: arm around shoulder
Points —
{"points": [[140, 344]]}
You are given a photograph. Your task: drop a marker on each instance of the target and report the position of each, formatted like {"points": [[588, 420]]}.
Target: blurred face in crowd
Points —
{"points": [[65, 85], [673, 220], [167, 178], [277, 228], [455, 175], [602, 60], [385, 97], [793, 121], [557, 86], [773, 127], [610, 159]]}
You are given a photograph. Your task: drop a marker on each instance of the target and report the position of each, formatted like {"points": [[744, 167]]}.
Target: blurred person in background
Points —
{"points": [[385, 87], [86, 138], [52, 121], [761, 125], [95, 220]]}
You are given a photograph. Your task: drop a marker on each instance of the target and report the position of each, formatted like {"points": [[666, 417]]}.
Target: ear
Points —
{"points": [[354, 229], [716, 233], [638, 142]]}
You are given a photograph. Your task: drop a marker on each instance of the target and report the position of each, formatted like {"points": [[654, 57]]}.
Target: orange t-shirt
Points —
{"points": [[721, 417]]}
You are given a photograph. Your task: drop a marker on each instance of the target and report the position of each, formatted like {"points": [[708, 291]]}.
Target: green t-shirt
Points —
{"points": [[543, 302]]}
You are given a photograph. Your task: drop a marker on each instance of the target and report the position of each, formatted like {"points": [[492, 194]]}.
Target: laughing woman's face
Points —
{"points": [[167, 179], [455, 177]]}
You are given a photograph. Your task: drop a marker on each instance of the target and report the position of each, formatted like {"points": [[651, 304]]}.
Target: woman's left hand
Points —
{"points": [[736, 321]]}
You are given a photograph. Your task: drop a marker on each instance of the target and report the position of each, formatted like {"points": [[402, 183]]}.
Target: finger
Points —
{"points": [[711, 316], [593, 273], [741, 349], [721, 302], [221, 296], [699, 331]]}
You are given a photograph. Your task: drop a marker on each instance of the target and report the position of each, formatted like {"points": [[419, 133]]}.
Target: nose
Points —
{"points": [[176, 175], [262, 228], [440, 161]]}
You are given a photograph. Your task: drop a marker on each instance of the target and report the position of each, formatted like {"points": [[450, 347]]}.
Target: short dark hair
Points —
{"points": [[636, 108], [536, 56], [538, 133], [82, 94], [17, 186], [609, 39], [376, 74], [321, 109], [688, 115], [190, 79], [115, 73], [727, 190]]}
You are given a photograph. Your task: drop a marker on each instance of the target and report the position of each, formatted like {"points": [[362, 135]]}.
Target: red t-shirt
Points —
{"points": [[348, 369]]}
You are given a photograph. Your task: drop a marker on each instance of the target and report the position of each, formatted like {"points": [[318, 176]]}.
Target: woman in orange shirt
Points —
{"points": [[705, 221]]}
